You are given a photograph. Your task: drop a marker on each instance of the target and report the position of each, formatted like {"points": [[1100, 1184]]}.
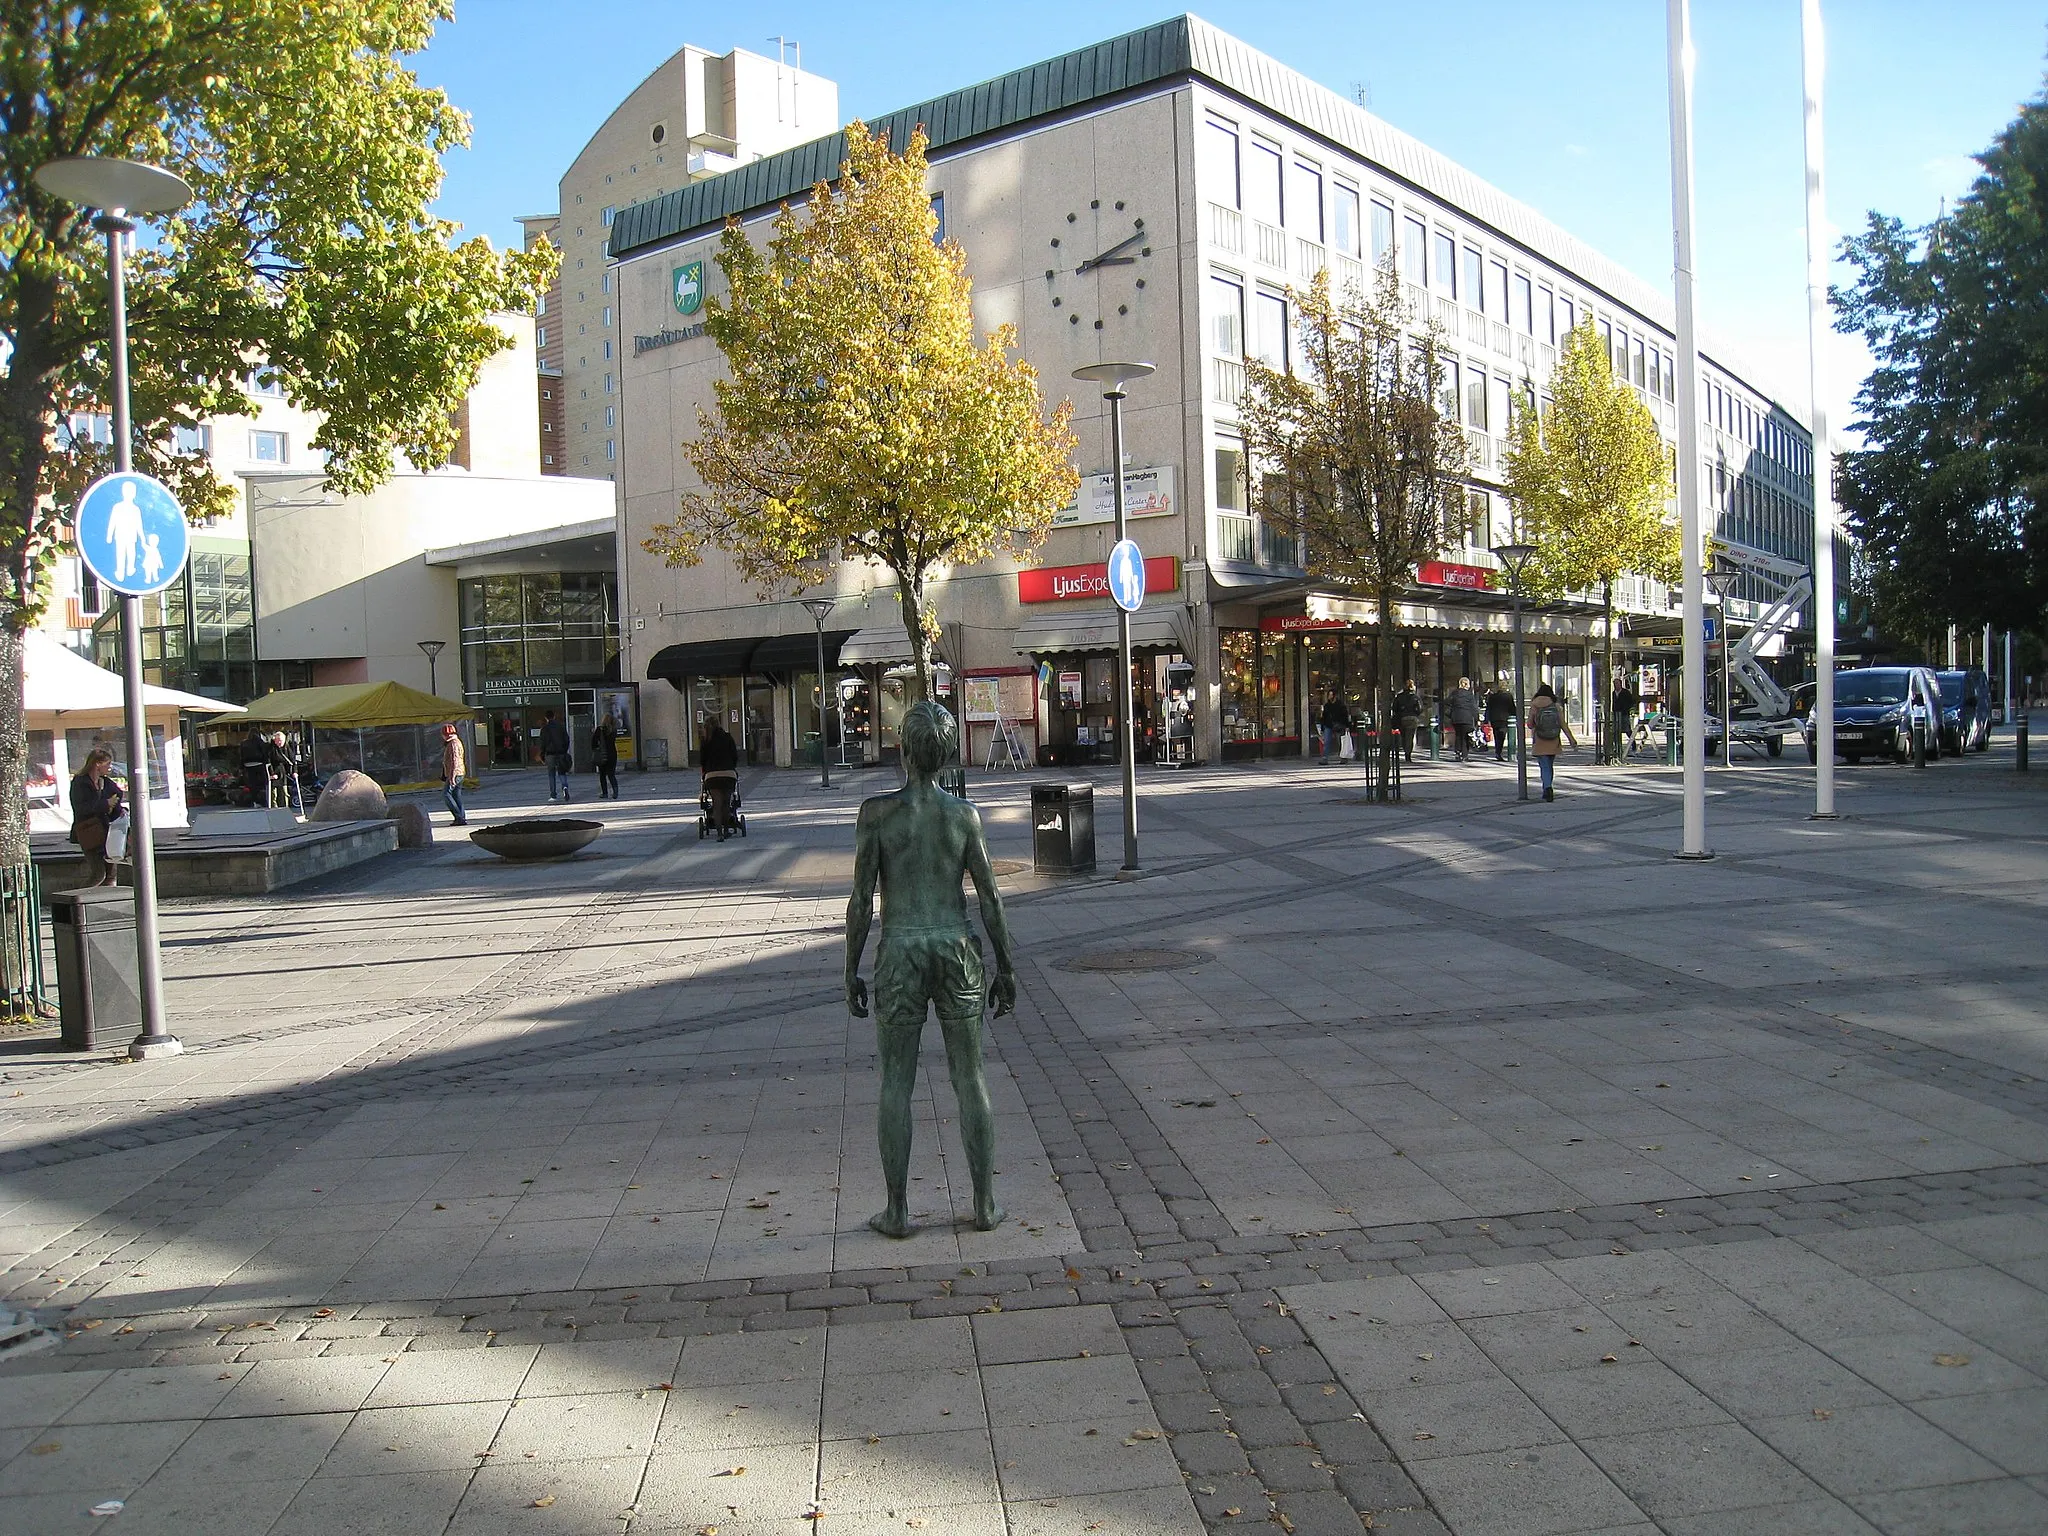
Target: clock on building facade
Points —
{"points": [[1097, 262]]}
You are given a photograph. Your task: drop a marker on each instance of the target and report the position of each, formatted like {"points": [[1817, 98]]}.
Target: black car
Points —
{"points": [[1965, 710], [1877, 710]]}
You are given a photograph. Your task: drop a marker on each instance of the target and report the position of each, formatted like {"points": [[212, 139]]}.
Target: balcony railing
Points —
{"points": [[1478, 449], [1234, 537], [1271, 243], [1447, 317], [1309, 258], [1503, 339], [1278, 546], [1348, 275], [1546, 357], [1226, 228], [1229, 380], [1475, 327], [1418, 302]]}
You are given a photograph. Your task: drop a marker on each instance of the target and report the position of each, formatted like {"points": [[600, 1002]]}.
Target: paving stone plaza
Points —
{"points": [[1458, 1166]]}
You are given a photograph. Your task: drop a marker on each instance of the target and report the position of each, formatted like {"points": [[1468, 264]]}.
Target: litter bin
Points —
{"points": [[953, 780], [99, 995], [1063, 829]]}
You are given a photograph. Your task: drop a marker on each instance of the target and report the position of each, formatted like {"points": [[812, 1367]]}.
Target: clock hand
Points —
{"points": [[1110, 257]]}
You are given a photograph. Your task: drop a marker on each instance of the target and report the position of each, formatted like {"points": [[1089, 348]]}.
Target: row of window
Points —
{"points": [[96, 427]]}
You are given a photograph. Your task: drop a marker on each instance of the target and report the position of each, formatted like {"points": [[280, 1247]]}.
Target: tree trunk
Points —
{"points": [[1603, 696], [13, 748], [1389, 748], [910, 597]]}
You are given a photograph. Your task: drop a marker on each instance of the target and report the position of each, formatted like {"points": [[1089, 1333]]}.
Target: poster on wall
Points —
{"points": [[618, 705], [981, 698], [1070, 690], [1147, 493]]}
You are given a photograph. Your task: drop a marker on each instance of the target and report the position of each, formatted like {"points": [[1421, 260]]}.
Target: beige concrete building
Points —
{"points": [[698, 115], [1224, 177]]}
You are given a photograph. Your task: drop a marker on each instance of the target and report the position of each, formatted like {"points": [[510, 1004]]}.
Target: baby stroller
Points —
{"points": [[705, 808]]}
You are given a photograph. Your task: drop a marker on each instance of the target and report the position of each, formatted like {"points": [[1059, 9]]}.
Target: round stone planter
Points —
{"points": [[548, 838]]}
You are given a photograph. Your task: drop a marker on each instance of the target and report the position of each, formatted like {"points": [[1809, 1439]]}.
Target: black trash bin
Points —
{"points": [[1063, 829], [99, 995], [953, 780]]}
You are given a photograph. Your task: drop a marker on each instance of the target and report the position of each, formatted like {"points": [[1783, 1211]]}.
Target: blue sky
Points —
{"points": [[1562, 105]]}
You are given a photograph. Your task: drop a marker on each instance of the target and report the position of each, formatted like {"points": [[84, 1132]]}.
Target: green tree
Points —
{"points": [[859, 418], [1947, 493], [1590, 482], [313, 154], [1353, 448]]}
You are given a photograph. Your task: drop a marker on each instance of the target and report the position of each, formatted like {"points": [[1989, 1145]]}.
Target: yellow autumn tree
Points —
{"points": [[860, 418], [1590, 483]]}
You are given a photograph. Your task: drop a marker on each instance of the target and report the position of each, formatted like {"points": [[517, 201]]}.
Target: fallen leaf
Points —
{"points": [[1072, 1274], [1951, 1359], [1233, 1511], [542, 1502], [1609, 1360], [1329, 1391], [731, 1472], [1144, 1434], [109, 1507], [1823, 1413], [1425, 1435], [1280, 1519], [47, 1448]]}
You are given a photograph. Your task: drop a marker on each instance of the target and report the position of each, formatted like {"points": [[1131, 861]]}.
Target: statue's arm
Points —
{"points": [[993, 917], [860, 909]]}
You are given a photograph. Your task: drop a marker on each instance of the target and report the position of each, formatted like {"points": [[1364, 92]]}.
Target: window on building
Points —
{"points": [[547, 426], [193, 439], [547, 394], [1546, 316], [607, 314], [1607, 342], [1656, 372], [1226, 316], [269, 448], [1414, 251], [1444, 252], [1344, 231], [540, 305], [1447, 392], [1499, 400], [1269, 330], [1475, 399], [1263, 199], [608, 213], [605, 283], [607, 349], [607, 383], [540, 336], [1525, 305], [1642, 376], [611, 448], [1382, 233], [1219, 165], [938, 218], [1475, 280], [1568, 314], [610, 418], [1305, 201], [267, 384], [1621, 354], [1230, 481]]}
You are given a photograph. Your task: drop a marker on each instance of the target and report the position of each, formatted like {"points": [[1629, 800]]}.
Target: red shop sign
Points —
{"points": [[1296, 623], [1441, 573], [1066, 583]]}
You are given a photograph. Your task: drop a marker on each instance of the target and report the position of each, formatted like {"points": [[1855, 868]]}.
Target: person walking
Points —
{"points": [[719, 757], [1625, 704], [604, 751], [282, 771], [1548, 729], [1335, 720], [1500, 714], [1407, 716], [1461, 713], [453, 766], [95, 802], [256, 768], [554, 751]]}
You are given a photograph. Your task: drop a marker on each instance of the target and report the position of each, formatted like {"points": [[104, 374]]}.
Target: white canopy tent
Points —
{"points": [[71, 706]]}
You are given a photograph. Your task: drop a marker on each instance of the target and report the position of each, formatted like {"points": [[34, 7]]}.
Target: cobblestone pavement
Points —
{"points": [[1463, 1165]]}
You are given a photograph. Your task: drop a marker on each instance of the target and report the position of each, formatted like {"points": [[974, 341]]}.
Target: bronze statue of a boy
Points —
{"points": [[917, 843]]}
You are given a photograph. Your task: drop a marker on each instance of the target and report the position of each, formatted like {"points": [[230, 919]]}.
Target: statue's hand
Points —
{"points": [[1004, 991], [856, 997]]}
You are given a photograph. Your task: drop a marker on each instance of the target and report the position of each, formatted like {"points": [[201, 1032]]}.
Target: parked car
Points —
{"points": [[1965, 710], [1877, 710]]}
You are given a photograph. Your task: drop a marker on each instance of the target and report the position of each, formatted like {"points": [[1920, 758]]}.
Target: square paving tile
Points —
{"points": [[1535, 1492], [1050, 1461], [1873, 1449], [1697, 1470]]}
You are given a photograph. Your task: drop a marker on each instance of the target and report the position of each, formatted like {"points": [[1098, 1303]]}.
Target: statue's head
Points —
{"points": [[929, 738]]}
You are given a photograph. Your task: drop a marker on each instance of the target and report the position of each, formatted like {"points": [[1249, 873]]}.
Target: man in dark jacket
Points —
{"points": [[1625, 705], [1461, 714], [256, 768], [1407, 716], [719, 757], [1335, 720], [604, 751], [1500, 713], [554, 751]]}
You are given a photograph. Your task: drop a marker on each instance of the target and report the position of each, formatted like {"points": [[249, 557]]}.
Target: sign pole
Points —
{"points": [[155, 1040], [1693, 845], [1129, 690]]}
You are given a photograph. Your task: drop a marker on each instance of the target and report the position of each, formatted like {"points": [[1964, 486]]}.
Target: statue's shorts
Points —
{"points": [[914, 970]]}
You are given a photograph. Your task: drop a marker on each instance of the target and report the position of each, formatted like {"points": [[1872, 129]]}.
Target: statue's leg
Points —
{"points": [[898, 1043], [977, 1120]]}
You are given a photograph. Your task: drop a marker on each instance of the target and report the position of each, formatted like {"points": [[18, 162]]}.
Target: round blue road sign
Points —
{"points": [[132, 533], [1127, 575]]}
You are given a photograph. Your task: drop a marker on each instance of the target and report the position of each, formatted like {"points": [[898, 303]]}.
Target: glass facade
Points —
{"points": [[530, 640], [199, 634]]}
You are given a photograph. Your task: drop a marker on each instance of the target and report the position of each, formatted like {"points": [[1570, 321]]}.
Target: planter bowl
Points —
{"points": [[548, 838]]}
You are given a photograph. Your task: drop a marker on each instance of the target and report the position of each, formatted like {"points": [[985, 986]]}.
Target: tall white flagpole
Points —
{"points": [[1678, 27], [1814, 50]]}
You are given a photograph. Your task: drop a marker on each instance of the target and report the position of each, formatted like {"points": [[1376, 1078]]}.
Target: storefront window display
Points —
{"points": [[527, 641], [1260, 714]]}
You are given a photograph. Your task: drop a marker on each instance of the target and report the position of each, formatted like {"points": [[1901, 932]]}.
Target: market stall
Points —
{"points": [[387, 730]]}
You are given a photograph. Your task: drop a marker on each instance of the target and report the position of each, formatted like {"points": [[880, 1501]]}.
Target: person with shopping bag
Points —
{"points": [[95, 808]]}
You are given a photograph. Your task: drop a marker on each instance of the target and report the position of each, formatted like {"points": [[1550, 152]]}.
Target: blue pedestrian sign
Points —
{"points": [[1127, 576], [1707, 629], [132, 534]]}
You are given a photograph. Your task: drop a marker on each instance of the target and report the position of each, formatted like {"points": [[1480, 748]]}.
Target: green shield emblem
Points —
{"points": [[689, 287]]}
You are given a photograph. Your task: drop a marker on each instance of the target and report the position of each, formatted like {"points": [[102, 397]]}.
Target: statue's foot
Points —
{"points": [[988, 1217], [892, 1224]]}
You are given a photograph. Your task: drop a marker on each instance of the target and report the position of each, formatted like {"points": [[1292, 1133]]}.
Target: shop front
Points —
{"points": [[763, 690], [1077, 654], [536, 642]]}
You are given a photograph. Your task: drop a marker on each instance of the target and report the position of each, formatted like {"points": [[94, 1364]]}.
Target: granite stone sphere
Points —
{"points": [[351, 796]]}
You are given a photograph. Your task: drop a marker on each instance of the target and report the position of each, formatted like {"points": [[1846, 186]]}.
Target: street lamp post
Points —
{"points": [[819, 608], [1116, 375], [1514, 559], [432, 649], [1724, 581], [118, 188]]}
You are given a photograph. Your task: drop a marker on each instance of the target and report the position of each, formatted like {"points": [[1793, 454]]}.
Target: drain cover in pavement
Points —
{"points": [[1136, 960], [1009, 866]]}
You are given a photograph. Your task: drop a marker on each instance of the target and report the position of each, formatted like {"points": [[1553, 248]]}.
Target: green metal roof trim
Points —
{"points": [[1138, 59]]}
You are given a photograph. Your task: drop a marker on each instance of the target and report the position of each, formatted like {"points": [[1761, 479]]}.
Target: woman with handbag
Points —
{"points": [[95, 802]]}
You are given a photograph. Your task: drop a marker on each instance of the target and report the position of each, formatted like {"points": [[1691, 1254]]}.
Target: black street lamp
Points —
{"points": [[1514, 560], [433, 649], [118, 188], [819, 608], [1724, 580]]}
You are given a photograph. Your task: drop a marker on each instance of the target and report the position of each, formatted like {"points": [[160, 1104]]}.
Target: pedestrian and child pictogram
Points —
{"points": [[132, 534]]}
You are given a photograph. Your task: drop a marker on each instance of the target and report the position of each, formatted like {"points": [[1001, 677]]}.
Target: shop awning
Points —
{"points": [[886, 644], [1052, 633], [786, 655], [61, 682], [357, 706], [705, 658]]}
